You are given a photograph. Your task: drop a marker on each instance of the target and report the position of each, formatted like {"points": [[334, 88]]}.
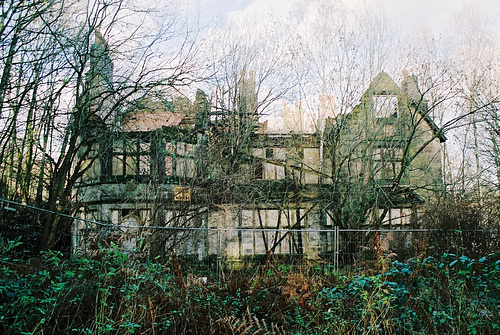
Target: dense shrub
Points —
{"points": [[462, 224], [113, 294], [447, 295]]}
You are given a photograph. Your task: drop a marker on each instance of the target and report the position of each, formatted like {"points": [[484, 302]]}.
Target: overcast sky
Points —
{"points": [[409, 15]]}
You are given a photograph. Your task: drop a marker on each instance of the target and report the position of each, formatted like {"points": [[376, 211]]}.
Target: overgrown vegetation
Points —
{"points": [[446, 294], [462, 224]]}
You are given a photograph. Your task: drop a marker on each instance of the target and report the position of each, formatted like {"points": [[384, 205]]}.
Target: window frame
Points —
{"points": [[386, 106]]}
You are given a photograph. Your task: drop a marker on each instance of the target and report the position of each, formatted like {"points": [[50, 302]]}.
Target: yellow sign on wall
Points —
{"points": [[182, 193]]}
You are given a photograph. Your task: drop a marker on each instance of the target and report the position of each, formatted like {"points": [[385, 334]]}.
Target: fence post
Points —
{"points": [[336, 249], [219, 255]]}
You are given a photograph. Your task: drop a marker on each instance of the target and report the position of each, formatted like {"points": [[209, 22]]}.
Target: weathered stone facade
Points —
{"points": [[174, 163]]}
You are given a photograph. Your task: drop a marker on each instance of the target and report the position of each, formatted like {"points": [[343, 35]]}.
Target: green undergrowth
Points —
{"points": [[112, 294]]}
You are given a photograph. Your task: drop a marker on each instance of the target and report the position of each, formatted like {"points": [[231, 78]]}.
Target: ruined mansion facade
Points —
{"points": [[170, 162]]}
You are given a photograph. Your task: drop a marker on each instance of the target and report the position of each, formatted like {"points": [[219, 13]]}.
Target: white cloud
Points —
{"points": [[408, 15]]}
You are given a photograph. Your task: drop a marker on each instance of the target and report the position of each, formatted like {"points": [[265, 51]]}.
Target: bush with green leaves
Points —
{"points": [[447, 295], [114, 294]]}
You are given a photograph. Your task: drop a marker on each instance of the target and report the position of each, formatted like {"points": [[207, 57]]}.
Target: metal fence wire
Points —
{"points": [[213, 249]]}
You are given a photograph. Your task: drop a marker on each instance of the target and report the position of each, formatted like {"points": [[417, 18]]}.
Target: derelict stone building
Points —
{"points": [[171, 162]]}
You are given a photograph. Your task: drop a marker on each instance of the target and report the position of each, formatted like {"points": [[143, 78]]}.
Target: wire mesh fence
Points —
{"points": [[213, 249]]}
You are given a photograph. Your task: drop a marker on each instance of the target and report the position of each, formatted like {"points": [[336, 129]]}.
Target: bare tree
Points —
{"points": [[69, 70]]}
